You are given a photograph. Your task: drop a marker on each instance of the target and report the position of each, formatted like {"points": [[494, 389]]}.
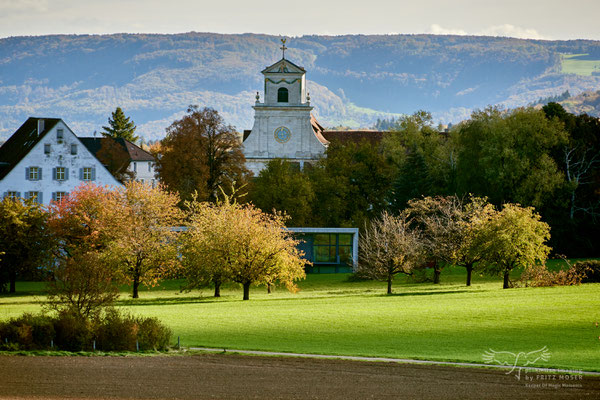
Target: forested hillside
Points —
{"points": [[353, 80]]}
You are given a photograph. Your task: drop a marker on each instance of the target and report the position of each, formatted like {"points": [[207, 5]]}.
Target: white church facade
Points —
{"points": [[283, 125]]}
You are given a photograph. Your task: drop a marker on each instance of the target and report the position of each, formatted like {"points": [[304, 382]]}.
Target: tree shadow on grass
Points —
{"points": [[162, 301], [433, 292]]}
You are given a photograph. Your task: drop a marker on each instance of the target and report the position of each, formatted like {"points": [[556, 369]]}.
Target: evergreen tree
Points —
{"points": [[120, 126]]}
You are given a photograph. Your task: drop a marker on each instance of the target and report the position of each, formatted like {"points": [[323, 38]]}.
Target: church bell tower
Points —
{"points": [[282, 122]]}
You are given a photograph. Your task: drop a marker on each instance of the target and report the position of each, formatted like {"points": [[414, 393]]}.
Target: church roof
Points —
{"points": [[354, 136], [318, 130], [283, 66]]}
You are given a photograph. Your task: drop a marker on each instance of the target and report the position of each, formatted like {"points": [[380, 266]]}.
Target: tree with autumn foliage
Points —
{"points": [[199, 154], [389, 247], [513, 238], [143, 244], [25, 241], [85, 280], [240, 243], [83, 220]]}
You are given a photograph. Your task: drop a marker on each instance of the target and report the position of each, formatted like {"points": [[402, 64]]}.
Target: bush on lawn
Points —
{"points": [[540, 276], [121, 331], [112, 332], [27, 332], [590, 270]]}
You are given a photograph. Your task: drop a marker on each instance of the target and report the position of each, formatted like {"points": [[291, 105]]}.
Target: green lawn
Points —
{"points": [[580, 64], [332, 315]]}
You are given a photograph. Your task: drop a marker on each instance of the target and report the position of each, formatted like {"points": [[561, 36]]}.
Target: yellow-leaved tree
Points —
{"points": [[143, 243], [228, 241]]}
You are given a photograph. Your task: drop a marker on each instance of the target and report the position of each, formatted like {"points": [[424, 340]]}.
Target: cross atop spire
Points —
{"points": [[283, 48]]}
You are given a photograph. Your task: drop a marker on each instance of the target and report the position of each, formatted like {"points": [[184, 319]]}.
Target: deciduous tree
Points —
{"points": [[248, 245], [199, 154], [350, 184], [25, 241], [506, 156], [284, 188], [143, 243], [514, 237], [388, 247]]}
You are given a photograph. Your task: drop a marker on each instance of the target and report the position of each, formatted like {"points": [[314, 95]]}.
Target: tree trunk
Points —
{"points": [[217, 288], [505, 286], [436, 274], [247, 291], [13, 281], [389, 290], [469, 273], [269, 288], [136, 283]]}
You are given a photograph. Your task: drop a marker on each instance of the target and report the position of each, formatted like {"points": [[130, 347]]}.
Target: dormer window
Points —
{"points": [[282, 95]]}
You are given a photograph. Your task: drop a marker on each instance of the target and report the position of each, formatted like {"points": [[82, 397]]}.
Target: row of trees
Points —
{"points": [[99, 238], [437, 231], [547, 159]]}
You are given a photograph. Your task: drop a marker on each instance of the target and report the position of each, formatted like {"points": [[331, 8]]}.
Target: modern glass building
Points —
{"points": [[329, 249]]}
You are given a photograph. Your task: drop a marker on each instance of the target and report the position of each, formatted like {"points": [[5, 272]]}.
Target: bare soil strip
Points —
{"points": [[223, 376], [387, 359]]}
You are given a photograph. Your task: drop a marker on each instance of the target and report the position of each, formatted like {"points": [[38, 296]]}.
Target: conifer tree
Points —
{"points": [[120, 126]]}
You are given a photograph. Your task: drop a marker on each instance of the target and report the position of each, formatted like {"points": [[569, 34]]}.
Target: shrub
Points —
{"points": [[27, 332], [539, 276], [73, 333], [153, 335], [112, 332], [116, 332], [590, 269]]}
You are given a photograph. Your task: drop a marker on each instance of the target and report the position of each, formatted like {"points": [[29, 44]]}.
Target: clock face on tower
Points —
{"points": [[282, 134]]}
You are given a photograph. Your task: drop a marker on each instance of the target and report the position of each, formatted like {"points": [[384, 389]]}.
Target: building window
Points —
{"points": [[282, 95], [142, 180], [13, 195], [34, 196], [73, 149], [59, 135], [33, 173], [86, 174], [134, 166], [149, 167], [60, 173], [59, 196], [47, 148]]}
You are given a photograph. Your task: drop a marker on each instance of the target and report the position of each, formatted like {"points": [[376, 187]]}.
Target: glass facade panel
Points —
{"points": [[345, 239], [322, 238]]}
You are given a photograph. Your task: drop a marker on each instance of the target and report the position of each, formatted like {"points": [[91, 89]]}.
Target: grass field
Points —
{"points": [[332, 315], [580, 64]]}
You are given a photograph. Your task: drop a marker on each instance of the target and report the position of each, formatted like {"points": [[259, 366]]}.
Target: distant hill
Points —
{"points": [[353, 80], [586, 102]]}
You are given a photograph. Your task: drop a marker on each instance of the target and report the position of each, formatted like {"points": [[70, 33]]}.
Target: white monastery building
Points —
{"points": [[44, 160], [283, 125]]}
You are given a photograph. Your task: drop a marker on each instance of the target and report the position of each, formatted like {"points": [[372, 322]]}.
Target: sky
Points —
{"points": [[535, 19]]}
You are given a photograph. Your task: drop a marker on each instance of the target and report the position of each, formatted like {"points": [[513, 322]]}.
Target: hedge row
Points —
{"points": [[111, 332]]}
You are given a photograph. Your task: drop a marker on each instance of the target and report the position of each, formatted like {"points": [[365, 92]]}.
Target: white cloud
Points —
{"points": [[439, 30], [511, 31], [507, 30]]}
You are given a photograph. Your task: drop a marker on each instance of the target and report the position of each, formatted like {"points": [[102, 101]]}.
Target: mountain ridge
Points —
{"points": [[353, 79]]}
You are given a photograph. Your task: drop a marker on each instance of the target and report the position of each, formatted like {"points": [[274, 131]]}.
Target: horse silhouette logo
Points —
{"points": [[516, 360]]}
